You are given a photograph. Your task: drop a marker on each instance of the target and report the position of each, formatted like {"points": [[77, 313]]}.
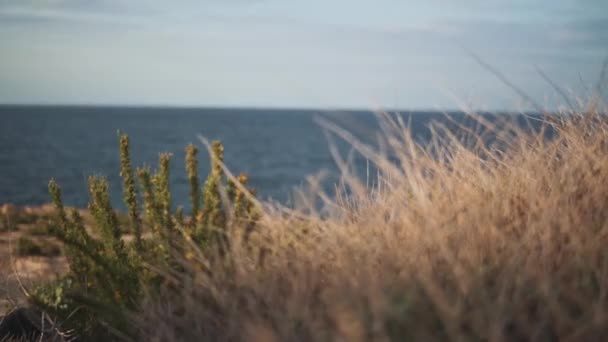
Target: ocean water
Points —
{"points": [[276, 148]]}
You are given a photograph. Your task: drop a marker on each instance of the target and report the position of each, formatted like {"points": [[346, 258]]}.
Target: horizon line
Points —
{"points": [[258, 108]]}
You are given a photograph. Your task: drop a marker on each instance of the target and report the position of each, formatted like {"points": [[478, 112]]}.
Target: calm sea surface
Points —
{"points": [[277, 148]]}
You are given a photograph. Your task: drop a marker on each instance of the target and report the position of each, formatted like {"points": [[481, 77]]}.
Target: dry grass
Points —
{"points": [[458, 240]]}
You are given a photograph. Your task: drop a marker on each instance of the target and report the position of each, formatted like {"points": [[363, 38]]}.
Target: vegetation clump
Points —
{"points": [[110, 276], [29, 247], [460, 239]]}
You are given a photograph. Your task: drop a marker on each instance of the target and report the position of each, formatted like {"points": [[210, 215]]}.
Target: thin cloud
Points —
{"points": [[47, 14]]}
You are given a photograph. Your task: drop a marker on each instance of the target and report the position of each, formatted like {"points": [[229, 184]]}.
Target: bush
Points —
{"points": [[108, 278], [25, 246], [40, 230], [29, 247]]}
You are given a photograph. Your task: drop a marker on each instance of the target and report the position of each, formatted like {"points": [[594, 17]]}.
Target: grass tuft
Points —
{"points": [[462, 239]]}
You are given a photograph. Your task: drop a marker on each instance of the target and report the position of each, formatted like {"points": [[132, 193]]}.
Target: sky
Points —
{"points": [[300, 53]]}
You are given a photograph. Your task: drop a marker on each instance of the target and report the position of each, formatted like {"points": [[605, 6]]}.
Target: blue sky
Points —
{"points": [[292, 53]]}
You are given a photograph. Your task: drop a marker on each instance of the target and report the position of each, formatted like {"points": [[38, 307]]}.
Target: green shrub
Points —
{"points": [[108, 277], [39, 230], [4, 225], [30, 247], [26, 246], [23, 218], [129, 190]]}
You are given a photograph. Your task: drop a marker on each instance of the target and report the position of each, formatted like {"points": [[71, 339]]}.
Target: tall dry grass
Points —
{"points": [[459, 239]]}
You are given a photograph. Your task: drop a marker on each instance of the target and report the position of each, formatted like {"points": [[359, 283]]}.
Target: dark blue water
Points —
{"points": [[277, 148]]}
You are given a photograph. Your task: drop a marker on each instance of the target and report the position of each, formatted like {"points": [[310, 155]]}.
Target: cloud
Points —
{"points": [[47, 15], [67, 13]]}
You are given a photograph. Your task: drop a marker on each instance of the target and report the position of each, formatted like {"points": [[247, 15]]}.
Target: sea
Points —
{"points": [[277, 148]]}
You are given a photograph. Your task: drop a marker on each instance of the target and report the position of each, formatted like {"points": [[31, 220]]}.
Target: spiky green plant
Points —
{"points": [[192, 170], [82, 251], [104, 281], [107, 277], [105, 217], [129, 190], [243, 207], [163, 193], [213, 214], [151, 208], [179, 217]]}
